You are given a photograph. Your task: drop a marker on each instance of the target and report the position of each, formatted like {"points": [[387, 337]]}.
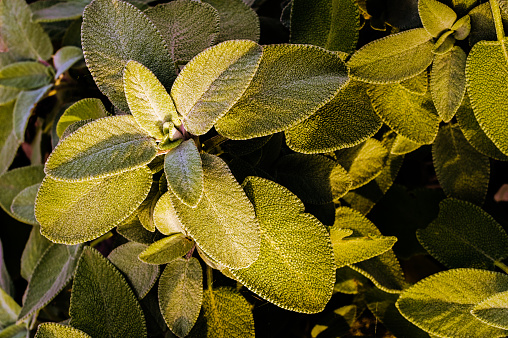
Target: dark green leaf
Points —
{"points": [[102, 303], [25, 75], [493, 310], [84, 109], [34, 249], [55, 330], [436, 16], [167, 249], [132, 229], [51, 11], [9, 143], [5, 279]]}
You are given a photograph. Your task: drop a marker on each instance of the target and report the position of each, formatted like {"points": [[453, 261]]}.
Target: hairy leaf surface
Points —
{"points": [[85, 109], [25, 75], [25, 104], [22, 206], [55, 330], [34, 249], [9, 143], [9, 309], [65, 58], [50, 11], [436, 16], [167, 249], [493, 310], [165, 217]]}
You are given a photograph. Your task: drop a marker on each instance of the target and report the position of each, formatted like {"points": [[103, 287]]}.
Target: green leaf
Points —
{"points": [[292, 83], [140, 275], [76, 212], [167, 249], [84, 109], [184, 173], [226, 314], [487, 83], [25, 104], [181, 294], [9, 309], [146, 208], [237, 20], [296, 268], [356, 247], [417, 84], [331, 24], [363, 162], [307, 176], [14, 331], [128, 35], [393, 58], [34, 249], [474, 133], [5, 279], [55, 330], [132, 229], [482, 24], [463, 236], [218, 78], [102, 303], [349, 112], [444, 44], [189, 27], [165, 217], [15, 181], [224, 223], [101, 148], [65, 58], [461, 170], [8, 95], [24, 38], [462, 28], [22, 206], [148, 100], [25, 75], [448, 82], [399, 109], [402, 146], [51, 274], [340, 182], [9, 143], [436, 16], [493, 310], [441, 304]]}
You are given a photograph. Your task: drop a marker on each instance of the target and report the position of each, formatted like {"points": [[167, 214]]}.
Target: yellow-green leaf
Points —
{"points": [[84, 109], [107, 146], [164, 216], [55, 330], [167, 249], [493, 310], [22, 206], [402, 146], [25, 75], [65, 58], [291, 83], [76, 212], [436, 16], [340, 182], [213, 81], [296, 268], [9, 309]]}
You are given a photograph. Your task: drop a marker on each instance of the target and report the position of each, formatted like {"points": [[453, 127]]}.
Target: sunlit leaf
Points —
{"points": [[167, 249], [403, 146], [340, 182], [296, 268], [417, 84], [292, 83], [105, 147], [76, 212], [55, 330], [441, 304], [65, 58], [181, 294], [22, 206], [493, 310], [34, 249], [84, 109], [25, 75], [436, 16], [102, 303], [164, 216]]}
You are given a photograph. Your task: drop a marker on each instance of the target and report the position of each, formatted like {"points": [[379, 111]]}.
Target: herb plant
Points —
{"points": [[224, 168]]}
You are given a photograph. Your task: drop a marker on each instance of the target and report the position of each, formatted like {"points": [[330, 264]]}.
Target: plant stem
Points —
{"points": [[209, 277], [498, 22], [501, 265]]}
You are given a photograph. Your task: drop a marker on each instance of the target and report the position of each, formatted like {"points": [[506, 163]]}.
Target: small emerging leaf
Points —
{"points": [[436, 16]]}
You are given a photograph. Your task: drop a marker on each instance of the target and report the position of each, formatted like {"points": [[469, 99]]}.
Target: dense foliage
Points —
{"points": [[229, 168]]}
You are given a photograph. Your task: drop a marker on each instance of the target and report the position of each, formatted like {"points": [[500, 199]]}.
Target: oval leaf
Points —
{"points": [[105, 147], [165, 218], [76, 212], [167, 249], [25, 75], [55, 330], [84, 109], [436, 16], [65, 58], [23, 205], [493, 310]]}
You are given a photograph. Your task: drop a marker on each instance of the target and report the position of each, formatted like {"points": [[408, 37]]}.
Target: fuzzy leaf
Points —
{"points": [[436, 16], [181, 294], [213, 81], [132, 229], [65, 58], [34, 249], [340, 182], [188, 27], [15, 331], [84, 109], [331, 24], [226, 314], [296, 269], [461, 170], [55, 330], [223, 224], [102, 148], [9, 309], [402, 146], [76, 212], [237, 20], [148, 100], [292, 83], [59, 11], [448, 82], [5, 279], [9, 143], [184, 173], [51, 274], [349, 112], [24, 38], [462, 28], [167, 249], [441, 304], [474, 133], [128, 35], [487, 84], [393, 58], [25, 75], [307, 176], [140, 275], [15, 181], [363, 162], [102, 303], [493, 310], [463, 236], [22, 206], [417, 84], [399, 108], [26, 102], [165, 218]]}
